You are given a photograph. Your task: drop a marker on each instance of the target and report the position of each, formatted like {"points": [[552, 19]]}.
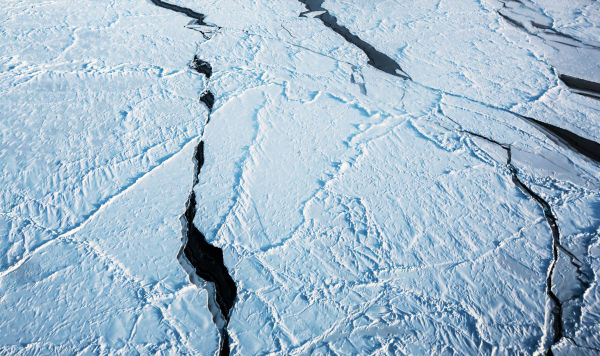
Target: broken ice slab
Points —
{"points": [[312, 14], [208, 30]]}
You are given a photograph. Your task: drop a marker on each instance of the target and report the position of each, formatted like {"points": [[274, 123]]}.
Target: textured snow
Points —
{"points": [[98, 110], [358, 212]]}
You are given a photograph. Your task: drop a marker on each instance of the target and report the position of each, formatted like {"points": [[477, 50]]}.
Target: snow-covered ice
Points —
{"points": [[359, 210]]}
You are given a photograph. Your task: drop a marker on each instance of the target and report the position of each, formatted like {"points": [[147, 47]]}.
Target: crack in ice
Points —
{"points": [[377, 59], [202, 261], [555, 332]]}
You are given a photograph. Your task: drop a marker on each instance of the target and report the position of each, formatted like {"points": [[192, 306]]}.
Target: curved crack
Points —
{"points": [[204, 261], [556, 332]]}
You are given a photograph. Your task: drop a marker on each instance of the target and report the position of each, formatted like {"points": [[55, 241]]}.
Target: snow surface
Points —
{"points": [[98, 111], [358, 212]]}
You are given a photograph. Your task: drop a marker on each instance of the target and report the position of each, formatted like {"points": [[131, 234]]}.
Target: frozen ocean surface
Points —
{"points": [[375, 177]]}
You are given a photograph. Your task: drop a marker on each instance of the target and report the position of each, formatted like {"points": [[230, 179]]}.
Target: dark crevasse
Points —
{"points": [[582, 145], [197, 256], [201, 67], [386, 64], [208, 99], [207, 261], [556, 308], [377, 59], [182, 10], [581, 86], [557, 331]]}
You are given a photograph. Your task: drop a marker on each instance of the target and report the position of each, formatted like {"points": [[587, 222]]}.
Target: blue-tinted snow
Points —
{"points": [[351, 223]]}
